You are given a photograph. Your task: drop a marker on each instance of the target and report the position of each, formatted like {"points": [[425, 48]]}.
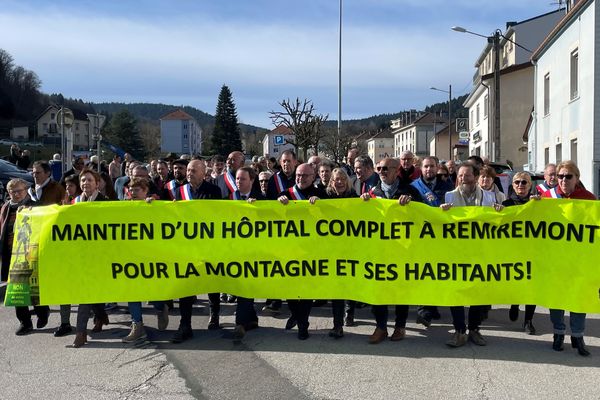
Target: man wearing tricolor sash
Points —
{"points": [[303, 189], [196, 189], [550, 181], [170, 188], [285, 178], [226, 181]]}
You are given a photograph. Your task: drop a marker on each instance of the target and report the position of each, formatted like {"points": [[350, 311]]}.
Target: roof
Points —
{"points": [[176, 115], [384, 134], [573, 14], [77, 114], [282, 130]]}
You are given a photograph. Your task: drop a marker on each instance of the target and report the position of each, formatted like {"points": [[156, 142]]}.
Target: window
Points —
{"points": [[574, 73], [77, 126], [52, 115], [558, 153], [546, 156], [472, 120], [547, 94], [477, 115], [486, 102], [574, 150]]}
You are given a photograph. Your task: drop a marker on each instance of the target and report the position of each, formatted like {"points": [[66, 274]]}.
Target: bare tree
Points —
{"points": [[306, 126], [336, 146]]}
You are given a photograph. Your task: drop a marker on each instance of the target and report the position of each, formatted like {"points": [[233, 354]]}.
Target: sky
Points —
{"points": [[181, 52]]}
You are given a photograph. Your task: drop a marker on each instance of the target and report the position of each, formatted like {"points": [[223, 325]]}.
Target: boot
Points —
{"points": [[577, 343], [137, 333], [99, 321], [80, 339], [557, 344]]}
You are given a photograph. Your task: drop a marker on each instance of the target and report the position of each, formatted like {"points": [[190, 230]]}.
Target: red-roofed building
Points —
{"points": [[180, 133], [277, 141]]}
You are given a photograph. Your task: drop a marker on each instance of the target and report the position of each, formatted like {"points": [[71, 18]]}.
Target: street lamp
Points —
{"points": [[449, 91]]}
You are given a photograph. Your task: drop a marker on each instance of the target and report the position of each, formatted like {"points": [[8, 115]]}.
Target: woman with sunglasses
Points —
{"points": [[569, 187], [520, 195]]}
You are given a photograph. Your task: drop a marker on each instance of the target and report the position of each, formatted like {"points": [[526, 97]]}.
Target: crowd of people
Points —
{"points": [[404, 179]]}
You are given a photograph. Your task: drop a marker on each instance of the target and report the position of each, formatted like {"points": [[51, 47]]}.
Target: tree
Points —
{"points": [[307, 127], [336, 146], [226, 133], [124, 132], [150, 135]]}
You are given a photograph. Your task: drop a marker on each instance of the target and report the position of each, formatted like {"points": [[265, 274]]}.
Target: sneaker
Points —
{"points": [[303, 333], [163, 318], [182, 334], [137, 333], [110, 306], [24, 329], [457, 339], [231, 298], [477, 338]]}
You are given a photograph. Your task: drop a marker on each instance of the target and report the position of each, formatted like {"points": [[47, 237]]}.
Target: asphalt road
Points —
{"points": [[273, 364]]}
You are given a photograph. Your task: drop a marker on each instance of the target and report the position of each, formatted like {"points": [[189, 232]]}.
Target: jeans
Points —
{"points": [[576, 322], [381, 316], [135, 309]]}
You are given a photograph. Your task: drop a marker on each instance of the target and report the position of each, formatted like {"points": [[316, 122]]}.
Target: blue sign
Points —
{"points": [[279, 140]]}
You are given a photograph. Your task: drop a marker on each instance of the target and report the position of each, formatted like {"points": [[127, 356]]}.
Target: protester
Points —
{"points": [[569, 187]]}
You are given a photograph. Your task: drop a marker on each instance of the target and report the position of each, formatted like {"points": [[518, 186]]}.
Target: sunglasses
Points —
{"points": [[384, 169], [567, 176], [523, 182]]}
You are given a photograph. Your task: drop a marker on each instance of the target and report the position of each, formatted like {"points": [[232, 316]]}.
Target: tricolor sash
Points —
{"points": [[279, 183], [554, 194], [185, 191], [295, 193], [230, 182], [172, 188]]}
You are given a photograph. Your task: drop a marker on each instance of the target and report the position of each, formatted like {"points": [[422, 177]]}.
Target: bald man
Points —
{"points": [[196, 189]]}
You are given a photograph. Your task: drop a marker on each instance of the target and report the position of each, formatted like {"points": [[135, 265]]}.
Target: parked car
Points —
{"points": [[9, 171]]}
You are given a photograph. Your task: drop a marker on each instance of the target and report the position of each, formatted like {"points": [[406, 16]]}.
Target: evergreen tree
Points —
{"points": [[123, 131], [226, 134]]}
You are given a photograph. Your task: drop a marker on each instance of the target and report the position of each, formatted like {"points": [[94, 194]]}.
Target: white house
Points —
{"points": [[48, 130], [565, 124], [516, 90], [180, 133], [277, 141]]}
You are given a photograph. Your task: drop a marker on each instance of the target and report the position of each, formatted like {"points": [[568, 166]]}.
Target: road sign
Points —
{"points": [[279, 139]]}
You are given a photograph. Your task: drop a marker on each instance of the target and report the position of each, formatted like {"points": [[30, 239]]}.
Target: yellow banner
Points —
{"points": [[374, 251]]}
